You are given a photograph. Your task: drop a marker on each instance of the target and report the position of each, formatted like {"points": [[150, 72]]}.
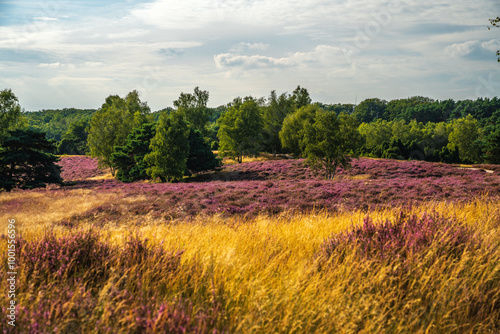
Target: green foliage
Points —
{"points": [[300, 98], [74, 141], [293, 130], [169, 148], [129, 159], [376, 133], [240, 128], [492, 148], [10, 112], [465, 134], [56, 122], [370, 110], [201, 158], [273, 116], [26, 161], [331, 141], [194, 109], [111, 125]]}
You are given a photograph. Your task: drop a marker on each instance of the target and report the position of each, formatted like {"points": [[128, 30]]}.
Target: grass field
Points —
{"points": [[106, 257]]}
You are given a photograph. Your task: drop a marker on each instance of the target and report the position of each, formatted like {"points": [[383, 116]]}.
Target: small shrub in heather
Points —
{"points": [[65, 258], [403, 239]]}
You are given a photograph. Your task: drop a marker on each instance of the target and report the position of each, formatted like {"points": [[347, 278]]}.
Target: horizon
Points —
{"points": [[58, 53]]}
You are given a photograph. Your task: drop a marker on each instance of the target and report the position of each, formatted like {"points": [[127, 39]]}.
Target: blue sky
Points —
{"points": [[57, 53]]}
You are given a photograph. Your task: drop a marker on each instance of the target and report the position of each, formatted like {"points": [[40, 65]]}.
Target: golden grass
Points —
{"points": [[261, 157], [37, 211], [265, 271]]}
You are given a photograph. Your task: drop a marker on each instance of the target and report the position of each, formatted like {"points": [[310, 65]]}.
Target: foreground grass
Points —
{"points": [[256, 275]]}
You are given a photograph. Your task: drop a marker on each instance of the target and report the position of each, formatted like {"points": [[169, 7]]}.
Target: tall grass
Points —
{"points": [[265, 274]]}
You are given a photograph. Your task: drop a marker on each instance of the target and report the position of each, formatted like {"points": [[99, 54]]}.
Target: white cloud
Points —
{"points": [[163, 47], [255, 61], [470, 47], [50, 65]]}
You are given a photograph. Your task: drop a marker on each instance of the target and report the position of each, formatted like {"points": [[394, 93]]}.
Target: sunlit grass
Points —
{"points": [[261, 274]]}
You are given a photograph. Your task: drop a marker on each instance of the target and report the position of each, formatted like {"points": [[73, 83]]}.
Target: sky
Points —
{"points": [[73, 54]]}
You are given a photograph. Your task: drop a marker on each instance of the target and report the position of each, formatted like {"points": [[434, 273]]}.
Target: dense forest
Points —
{"points": [[169, 144]]}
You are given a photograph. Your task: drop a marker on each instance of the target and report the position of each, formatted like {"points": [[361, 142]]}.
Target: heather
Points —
{"points": [[260, 247], [277, 186], [425, 268]]}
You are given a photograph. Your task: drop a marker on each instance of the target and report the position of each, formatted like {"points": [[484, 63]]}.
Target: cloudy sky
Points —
{"points": [[58, 53]]}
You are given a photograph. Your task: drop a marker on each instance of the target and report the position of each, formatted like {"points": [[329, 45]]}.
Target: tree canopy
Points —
{"points": [[169, 148], [240, 130], [26, 161], [112, 123], [10, 111], [331, 141]]}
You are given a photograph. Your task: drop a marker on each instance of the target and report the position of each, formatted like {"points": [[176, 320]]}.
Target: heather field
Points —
{"points": [[260, 247]]}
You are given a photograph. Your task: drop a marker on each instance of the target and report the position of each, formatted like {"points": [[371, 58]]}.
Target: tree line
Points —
{"points": [[168, 145]]}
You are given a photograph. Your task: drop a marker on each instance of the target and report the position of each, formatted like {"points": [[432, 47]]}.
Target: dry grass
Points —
{"points": [[264, 272], [261, 157]]}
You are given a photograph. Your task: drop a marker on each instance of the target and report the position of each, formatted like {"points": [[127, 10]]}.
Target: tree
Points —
{"points": [[129, 159], [495, 23], [26, 161], [492, 155], [169, 148], [273, 116], [376, 133], [300, 98], [239, 130], [465, 134], [370, 110], [200, 158], [331, 142], [74, 141], [194, 109], [10, 112], [111, 125], [293, 130]]}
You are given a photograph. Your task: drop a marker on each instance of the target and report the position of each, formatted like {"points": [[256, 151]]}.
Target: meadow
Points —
{"points": [[260, 247]]}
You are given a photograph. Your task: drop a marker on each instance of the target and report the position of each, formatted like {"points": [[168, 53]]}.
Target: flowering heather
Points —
{"points": [[77, 283], [403, 239], [68, 257], [79, 168], [270, 187]]}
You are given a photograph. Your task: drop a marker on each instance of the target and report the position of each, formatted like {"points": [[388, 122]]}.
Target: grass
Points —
{"points": [[262, 275]]}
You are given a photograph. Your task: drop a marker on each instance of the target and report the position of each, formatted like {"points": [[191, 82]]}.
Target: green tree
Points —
{"points": [[169, 148], [239, 130], [200, 158], [370, 110], [26, 161], [273, 116], [293, 130], [129, 159], [331, 141], [300, 98], [194, 109], [111, 125], [465, 134], [74, 141], [10, 112], [376, 133], [492, 154]]}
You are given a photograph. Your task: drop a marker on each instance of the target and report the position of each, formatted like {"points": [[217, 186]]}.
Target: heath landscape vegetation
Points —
{"points": [[260, 247]]}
